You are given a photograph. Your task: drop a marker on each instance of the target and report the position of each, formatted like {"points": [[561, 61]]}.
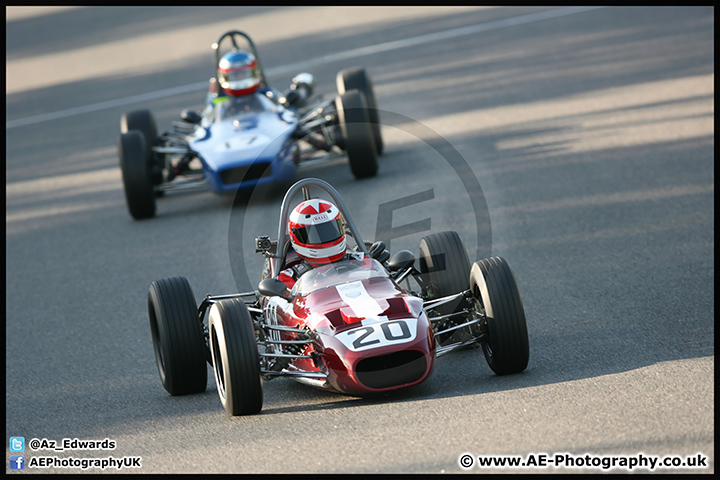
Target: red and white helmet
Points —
{"points": [[317, 232]]}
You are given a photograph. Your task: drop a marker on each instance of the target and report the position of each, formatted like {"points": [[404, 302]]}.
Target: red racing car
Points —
{"points": [[347, 326]]}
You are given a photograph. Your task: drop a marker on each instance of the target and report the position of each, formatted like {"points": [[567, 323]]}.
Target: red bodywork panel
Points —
{"points": [[370, 334]]}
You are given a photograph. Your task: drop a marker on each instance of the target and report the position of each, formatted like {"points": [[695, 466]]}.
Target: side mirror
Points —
{"points": [[401, 260], [304, 80], [272, 287], [301, 89], [190, 116], [291, 97], [378, 252]]}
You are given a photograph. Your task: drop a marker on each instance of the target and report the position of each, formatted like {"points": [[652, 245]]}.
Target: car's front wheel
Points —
{"points": [[136, 175], [493, 284], [235, 358], [144, 121], [177, 336]]}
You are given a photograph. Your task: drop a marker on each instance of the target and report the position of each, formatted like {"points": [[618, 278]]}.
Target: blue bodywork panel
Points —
{"points": [[246, 141]]}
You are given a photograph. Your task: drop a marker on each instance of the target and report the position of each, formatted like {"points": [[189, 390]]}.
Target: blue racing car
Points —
{"points": [[248, 134]]}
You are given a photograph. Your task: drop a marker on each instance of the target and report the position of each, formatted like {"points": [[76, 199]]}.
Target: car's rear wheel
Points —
{"points": [[357, 134], [444, 269], [445, 266], [235, 358], [493, 283], [357, 78], [136, 171], [180, 351]]}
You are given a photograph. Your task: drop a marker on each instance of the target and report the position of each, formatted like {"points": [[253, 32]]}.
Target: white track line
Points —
{"points": [[358, 52]]}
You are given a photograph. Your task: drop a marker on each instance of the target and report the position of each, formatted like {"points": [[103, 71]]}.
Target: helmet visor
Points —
{"points": [[319, 234], [237, 75]]}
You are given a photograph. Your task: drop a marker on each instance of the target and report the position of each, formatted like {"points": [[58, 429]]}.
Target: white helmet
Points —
{"points": [[317, 232]]}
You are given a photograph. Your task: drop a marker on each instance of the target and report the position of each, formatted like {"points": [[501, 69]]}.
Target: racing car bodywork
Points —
{"points": [[240, 142], [348, 327], [369, 334]]}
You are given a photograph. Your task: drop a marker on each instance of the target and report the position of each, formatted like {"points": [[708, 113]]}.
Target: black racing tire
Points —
{"points": [[136, 171], [144, 121], [180, 349], [444, 266], [493, 283], [235, 358], [357, 134], [357, 78]]}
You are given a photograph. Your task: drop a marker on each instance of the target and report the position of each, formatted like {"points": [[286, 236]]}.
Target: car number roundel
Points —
{"points": [[243, 142], [379, 334]]}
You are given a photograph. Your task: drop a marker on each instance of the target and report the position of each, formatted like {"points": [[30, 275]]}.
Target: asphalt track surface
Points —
{"points": [[590, 133]]}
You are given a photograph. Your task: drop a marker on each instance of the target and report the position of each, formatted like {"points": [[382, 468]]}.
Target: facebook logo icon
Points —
{"points": [[17, 462]]}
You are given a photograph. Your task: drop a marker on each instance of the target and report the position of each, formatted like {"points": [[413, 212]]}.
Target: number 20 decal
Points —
{"points": [[379, 334]]}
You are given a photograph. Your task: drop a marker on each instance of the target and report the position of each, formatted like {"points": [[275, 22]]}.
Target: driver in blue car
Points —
{"points": [[239, 79], [317, 235]]}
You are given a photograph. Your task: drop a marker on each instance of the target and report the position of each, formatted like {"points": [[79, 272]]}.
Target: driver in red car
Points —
{"points": [[317, 234]]}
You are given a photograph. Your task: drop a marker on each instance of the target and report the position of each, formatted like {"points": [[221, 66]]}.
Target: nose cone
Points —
{"points": [[380, 356]]}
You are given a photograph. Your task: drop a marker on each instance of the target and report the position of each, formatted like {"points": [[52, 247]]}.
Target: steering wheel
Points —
{"points": [[338, 270], [344, 268]]}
